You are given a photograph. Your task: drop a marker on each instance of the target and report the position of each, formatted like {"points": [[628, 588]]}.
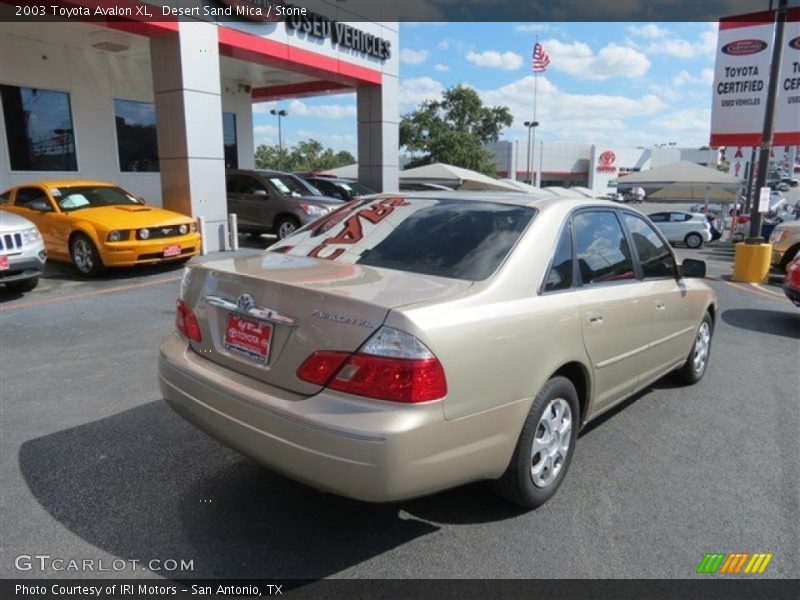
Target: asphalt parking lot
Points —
{"points": [[94, 465]]}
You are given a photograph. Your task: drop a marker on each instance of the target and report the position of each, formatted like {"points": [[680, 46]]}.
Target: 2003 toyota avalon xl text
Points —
{"points": [[402, 345]]}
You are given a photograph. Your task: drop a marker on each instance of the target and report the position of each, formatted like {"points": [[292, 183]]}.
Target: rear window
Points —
{"points": [[459, 239]]}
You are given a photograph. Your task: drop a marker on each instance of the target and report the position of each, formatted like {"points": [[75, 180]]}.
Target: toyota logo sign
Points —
{"points": [[605, 162]]}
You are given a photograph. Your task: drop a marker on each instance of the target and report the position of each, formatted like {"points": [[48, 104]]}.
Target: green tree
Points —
{"points": [[453, 130], [309, 155]]}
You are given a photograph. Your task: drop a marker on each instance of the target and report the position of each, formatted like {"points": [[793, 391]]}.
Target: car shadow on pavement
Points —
{"points": [[58, 271], [144, 484], [773, 322]]}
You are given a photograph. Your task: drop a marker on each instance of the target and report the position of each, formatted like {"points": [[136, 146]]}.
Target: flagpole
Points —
{"points": [[535, 93]]}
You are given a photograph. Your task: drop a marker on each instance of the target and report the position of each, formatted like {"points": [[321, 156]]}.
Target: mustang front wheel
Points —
{"points": [[85, 256]]}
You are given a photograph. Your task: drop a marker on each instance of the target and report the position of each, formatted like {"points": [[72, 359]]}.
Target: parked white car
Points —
{"points": [[22, 253], [682, 227]]}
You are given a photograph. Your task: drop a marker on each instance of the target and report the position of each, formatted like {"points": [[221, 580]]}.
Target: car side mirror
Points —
{"points": [[40, 205], [693, 269], [260, 192]]}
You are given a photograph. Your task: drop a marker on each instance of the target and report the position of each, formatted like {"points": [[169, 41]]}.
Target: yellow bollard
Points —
{"points": [[751, 262]]}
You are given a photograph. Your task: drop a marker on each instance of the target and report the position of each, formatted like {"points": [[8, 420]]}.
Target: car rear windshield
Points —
{"points": [[76, 198], [458, 239]]}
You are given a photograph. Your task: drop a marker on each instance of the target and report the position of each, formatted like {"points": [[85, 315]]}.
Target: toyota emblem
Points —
{"points": [[245, 302]]}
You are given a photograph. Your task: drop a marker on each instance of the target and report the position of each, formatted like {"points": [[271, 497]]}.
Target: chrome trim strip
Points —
{"points": [[672, 336], [263, 314]]}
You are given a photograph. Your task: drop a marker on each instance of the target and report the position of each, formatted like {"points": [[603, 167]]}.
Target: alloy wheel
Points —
{"points": [[551, 442], [701, 347], [285, 229], [83, 256]]}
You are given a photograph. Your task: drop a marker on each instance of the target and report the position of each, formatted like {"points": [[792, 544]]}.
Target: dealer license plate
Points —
{"points": [[248, 337]]}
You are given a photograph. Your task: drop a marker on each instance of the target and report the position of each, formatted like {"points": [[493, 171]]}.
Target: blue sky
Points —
{"points": [[622, 83]]}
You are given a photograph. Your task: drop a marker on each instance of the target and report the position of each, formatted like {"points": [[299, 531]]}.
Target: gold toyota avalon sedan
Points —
{"points": [[405, 344]]}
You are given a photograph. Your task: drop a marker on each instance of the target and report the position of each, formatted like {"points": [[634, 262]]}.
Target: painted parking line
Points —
{"points": [[119, 288], [766, 291], [754, 288]]}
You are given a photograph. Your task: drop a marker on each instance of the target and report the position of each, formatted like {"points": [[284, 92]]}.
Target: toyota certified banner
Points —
{"points": [[741, 79]]}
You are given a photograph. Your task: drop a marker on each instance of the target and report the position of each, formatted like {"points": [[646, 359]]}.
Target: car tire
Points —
{"points": [[789, 257], [286, 226], [696, 363], [26, 285], [693, 240], [85, 256], [540, 462]]}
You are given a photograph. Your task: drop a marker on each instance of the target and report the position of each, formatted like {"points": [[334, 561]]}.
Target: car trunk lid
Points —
{"points": [[310, 304]]}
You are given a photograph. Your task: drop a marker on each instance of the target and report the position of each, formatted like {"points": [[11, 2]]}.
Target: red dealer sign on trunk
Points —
{"points": [[741, 76]]}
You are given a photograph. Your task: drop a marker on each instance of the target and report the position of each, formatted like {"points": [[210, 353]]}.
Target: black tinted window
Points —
{"points": [[229, 140], [4, 197], [603, 253], [136, 136], [449, 238], [32, 198], [654, 255], [560, 275], [243, 184], [659, 217], [39, 129]]}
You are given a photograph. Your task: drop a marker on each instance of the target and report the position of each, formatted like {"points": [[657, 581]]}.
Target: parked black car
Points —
{"points": [[338, 187], [274, 201]]}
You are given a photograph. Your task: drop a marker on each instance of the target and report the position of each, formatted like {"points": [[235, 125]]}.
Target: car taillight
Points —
{"points": [[186, 322], [392, 365]]}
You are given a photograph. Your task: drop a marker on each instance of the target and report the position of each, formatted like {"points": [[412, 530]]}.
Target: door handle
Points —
{"points": [[595, 318], [660, 305]]}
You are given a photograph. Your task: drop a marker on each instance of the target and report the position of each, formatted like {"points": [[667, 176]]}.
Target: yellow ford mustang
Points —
{"points": [[96, 225]]}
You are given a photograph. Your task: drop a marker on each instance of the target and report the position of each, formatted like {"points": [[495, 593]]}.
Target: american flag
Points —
{"points": [[540, 59]]}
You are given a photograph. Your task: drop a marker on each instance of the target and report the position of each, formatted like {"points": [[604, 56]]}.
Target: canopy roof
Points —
{"points": [[683, 173], [455, 177], [347, 171]]}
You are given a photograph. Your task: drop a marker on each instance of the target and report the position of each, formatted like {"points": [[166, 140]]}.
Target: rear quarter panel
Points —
{"points": [[501, 343]]}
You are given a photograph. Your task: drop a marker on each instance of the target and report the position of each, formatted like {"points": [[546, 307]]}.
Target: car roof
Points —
{"points": [[59, 183], [512, 198]]}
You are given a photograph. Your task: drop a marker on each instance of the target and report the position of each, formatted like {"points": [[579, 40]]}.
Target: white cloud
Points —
{"points": [[417, 90], [443, 45], [705, 45], [688, 120], [705, 77], [265, 134], [410, 56], [580, 61], [507, 61], [534, 27], [649, 30], [260, 108], [575, 117], [441, 68], [321, 111]]}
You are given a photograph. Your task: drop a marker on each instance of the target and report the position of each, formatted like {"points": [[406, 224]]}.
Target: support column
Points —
{"points": [[186, 87], [378, 134]]}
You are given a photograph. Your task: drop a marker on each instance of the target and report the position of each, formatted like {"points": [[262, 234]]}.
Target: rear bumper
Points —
{"points": [[139, 252], [365, 449]]}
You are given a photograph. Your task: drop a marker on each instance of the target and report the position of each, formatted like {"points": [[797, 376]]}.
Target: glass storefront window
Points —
{"points": [[229, 139], [136, 136], [39, 129]]}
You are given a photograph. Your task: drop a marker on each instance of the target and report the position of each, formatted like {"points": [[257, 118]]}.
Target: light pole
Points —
{"points": [[530, 125], [279, 113]]}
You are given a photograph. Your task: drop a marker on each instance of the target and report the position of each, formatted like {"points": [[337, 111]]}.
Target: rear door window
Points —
{"points": [[458, 239], [560, 275], [602, 250], [654, 255]]}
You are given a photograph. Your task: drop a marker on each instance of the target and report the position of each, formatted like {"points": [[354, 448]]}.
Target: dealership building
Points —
{"points": [[588, 165], [163, 108]]}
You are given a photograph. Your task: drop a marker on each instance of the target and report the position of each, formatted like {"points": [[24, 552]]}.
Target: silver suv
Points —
{"points": [[22, 253]]}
